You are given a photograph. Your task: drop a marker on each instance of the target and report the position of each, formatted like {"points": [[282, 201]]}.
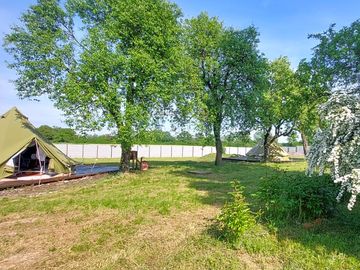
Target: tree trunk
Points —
{"points": [[218, 144], [305, 142], [266, 146], [125, 158]]}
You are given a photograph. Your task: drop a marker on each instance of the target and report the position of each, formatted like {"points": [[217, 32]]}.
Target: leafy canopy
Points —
{"points": [[337, 144], [276, 109], [230, 67], [103, 63]]}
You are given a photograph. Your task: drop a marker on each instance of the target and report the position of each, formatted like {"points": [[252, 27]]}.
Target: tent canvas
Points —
{"points": [[18, 137], [276, 153]]}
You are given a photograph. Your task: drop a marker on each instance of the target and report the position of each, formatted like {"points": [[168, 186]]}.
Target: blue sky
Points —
{"points": [[283, 26]]}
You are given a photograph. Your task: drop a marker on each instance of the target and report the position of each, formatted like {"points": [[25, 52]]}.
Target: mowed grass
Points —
{"points": [[164, 219]]}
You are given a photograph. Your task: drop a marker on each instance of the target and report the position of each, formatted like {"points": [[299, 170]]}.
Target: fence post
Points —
{"points": [[67, 149], [111, 149], [82, 152], [171, 154], [192, 151], [202, 151], [182, 151], [160, 150], [149, 150], [97, 151]]}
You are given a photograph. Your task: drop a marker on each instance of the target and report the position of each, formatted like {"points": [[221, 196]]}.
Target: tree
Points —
{"points": [[336, 60], [58, 134], [337, 144], [238, 139], [277, 109], [123, 69], [230, 67], [158, 136], [47, 131], [292, 139], [312, 95], [185, 137]]}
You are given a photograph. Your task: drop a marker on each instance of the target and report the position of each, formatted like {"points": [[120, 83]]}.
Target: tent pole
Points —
{"points": [[19, 162], [38, 156]]}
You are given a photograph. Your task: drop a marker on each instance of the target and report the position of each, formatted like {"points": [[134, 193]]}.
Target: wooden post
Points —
{"points": [[97, 151]]}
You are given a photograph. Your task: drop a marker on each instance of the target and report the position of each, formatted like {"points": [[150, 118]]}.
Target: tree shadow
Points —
{"points": [[215, 185], [337, 234]]}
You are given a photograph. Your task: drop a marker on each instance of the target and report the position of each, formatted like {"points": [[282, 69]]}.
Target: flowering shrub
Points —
{"points": [[337, 144]]}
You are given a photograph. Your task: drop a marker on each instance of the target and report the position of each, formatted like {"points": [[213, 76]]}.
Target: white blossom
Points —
{"points": [[337, 144]]}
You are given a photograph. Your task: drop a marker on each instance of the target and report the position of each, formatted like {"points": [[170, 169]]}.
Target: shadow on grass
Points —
{"points": [[216, 185], [340, 234]]}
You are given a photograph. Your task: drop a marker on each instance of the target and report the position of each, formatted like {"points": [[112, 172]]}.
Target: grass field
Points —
{"points": [[163, 219]]}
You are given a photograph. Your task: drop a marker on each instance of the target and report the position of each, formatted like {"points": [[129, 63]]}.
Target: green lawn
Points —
{"points": [[163, 219]]}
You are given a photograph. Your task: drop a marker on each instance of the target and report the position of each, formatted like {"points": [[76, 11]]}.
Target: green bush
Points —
{"points": [[235, 217], [297, 197]]}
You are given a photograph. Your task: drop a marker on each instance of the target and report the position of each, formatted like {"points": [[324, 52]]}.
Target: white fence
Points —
{"points": [[153, 151]]}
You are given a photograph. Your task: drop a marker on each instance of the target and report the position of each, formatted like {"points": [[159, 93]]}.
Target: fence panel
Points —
{"points": [[206, 150], [153, 151], [166, 150], [143, 150], [62, 147], [75, 150], [177, 151]]}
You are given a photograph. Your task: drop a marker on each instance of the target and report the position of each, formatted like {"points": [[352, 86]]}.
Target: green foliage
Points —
{"points": [[335, 60], [158, 136], [185, 137], [335, 64], [288, 197], [238, 139], [231, 69], [57, 134], [312, 94], [292, 140], [277, 108], [236, 217], [104, 63]]}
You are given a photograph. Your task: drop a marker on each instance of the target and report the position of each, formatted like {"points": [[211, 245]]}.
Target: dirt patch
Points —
{"points": [[36, 190], [36, 242]]}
